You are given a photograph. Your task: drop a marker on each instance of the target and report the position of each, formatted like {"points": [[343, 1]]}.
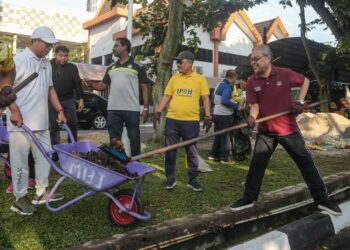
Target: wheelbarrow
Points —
{"points": [[4, 149], [125, 207]]}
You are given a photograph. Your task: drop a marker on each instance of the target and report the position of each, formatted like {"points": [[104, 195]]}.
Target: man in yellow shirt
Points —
{"points": [[184, 91], [7, 75]]}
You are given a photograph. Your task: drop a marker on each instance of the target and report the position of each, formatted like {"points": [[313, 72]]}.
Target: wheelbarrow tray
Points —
{"points": [[91, 174]]}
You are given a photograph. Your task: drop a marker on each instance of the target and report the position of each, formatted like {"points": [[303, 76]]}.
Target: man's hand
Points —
{"points": [[297, 107], [6, 98], [207, 123], [144, 116], [86, 82], [156, 119], [81, 105], [16, 116], [61, 118], [251, 121]]}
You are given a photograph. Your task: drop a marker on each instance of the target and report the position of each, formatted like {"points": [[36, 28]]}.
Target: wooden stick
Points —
{"points": [[242, 125]]}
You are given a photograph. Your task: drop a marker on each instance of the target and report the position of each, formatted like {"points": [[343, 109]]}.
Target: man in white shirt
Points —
{"points": [[32, 101]]}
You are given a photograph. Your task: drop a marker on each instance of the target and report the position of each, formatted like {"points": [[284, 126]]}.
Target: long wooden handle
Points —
{"points": [[242, 125], [24, 83]]}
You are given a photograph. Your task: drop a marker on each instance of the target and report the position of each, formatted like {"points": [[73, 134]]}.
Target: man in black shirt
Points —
{"points": [[67, 82]]}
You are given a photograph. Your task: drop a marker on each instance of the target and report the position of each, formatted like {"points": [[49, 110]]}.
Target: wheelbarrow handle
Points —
{"points": [[242, 125], [69, 132]]}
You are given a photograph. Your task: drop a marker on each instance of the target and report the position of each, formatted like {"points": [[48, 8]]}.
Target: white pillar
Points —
{"points": [[130, 18]]}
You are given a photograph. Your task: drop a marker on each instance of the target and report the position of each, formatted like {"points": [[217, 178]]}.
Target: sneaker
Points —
{"points": [[37, 200], [9, 189], [170, 184], [330, 206], [22, 206], [31, 183], [227, 162], [212, 158], [194, 185], [241, 204]]}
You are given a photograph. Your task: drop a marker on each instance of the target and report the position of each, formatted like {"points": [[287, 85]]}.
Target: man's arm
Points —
{"points": [[78, 88], [165, 100], [7, 78], [100, 86], [206, 104], [56, 104], [303, 89], [254, 110]]}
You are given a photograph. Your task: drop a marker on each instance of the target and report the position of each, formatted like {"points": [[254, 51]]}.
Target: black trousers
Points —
{"points": [[72, 122], [294, 144]]}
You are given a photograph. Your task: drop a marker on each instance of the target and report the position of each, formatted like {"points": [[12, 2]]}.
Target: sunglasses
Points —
{"points": [[47, 44], [255, 59]]}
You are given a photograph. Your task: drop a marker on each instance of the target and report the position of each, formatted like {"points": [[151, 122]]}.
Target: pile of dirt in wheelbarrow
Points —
{"points": [[330, 125]]}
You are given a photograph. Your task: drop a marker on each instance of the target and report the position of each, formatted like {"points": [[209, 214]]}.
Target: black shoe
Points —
{"points": [[330, 206], [170, 184], [241, 204], [194, 185]]}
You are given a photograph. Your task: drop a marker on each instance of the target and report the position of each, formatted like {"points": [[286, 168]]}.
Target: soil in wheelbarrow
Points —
{"points": [[105, 160]]}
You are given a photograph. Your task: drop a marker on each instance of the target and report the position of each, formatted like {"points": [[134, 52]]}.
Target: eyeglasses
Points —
{"points": [[47, 44], [255, 59]]}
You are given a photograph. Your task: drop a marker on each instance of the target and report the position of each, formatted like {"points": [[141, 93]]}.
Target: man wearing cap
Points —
{"points": [[125, 77], [184, 91], [32, 101]]}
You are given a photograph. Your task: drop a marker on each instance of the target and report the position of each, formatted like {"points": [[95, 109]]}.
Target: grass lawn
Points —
{"points": [[88, 219]]}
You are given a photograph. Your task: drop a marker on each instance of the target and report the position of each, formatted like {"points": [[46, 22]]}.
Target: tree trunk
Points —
{"points": [[322, 82], [165, 62], [328, 18]]}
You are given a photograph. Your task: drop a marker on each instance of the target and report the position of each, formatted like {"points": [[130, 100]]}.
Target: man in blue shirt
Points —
{"points": [[223, 117]]}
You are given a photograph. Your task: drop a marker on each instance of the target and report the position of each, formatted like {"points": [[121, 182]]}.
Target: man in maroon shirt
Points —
{"points": [[269, 92]]}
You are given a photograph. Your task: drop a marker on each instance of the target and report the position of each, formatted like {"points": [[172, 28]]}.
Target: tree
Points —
{"points": [[336, 15], [163, 24], [78, 54]]}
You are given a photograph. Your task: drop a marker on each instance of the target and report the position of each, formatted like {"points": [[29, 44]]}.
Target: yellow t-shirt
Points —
{"points": [[186, 92], [6, 61]]}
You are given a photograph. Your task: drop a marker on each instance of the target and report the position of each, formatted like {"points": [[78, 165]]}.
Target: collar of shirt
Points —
{"points": [[130, 60], [193, 73], [273, 72], [31, 54]]}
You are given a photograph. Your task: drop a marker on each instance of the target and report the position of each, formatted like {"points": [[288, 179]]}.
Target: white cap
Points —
{"points": [[44, 33]]}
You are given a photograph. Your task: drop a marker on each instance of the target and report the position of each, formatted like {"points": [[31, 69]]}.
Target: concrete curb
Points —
{"points": [[199, 227], [301, 234]]}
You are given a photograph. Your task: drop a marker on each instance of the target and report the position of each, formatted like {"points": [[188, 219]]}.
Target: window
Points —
{"points": [[230, 59], [203, 55], [96, 60], [108, 59]]}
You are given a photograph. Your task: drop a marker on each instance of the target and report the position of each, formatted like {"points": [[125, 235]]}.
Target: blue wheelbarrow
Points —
{"points": [[125, 207]]}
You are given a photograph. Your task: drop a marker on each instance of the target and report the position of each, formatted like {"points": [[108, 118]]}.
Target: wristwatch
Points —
{"points": [[145, 109], [301, 101]]}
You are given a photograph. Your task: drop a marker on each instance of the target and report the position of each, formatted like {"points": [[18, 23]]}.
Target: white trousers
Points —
{"points": [[20, 144]]}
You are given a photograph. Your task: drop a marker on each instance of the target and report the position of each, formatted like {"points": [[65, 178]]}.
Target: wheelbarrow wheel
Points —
{"points": [[117, 215]]}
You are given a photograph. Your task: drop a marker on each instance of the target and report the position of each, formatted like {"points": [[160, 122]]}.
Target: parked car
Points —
{"points": [[94, 113]]}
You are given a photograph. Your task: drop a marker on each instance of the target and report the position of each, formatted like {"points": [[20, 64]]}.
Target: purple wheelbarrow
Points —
{"points": [[125, 207], [4, 149]]}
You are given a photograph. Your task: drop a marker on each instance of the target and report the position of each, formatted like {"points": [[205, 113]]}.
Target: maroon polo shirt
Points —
{"points": [[273, 94]]}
